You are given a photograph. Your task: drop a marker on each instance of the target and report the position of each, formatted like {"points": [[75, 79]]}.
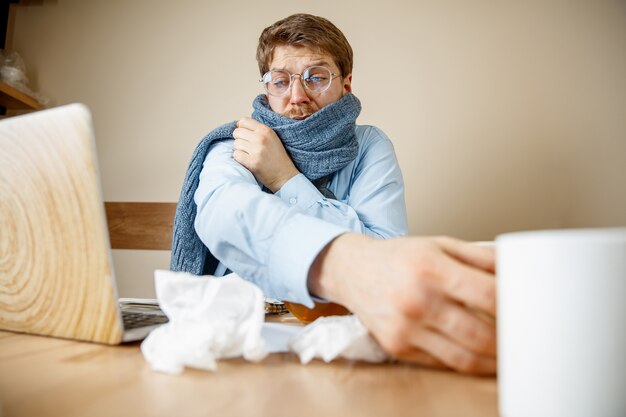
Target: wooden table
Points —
{"points": [[42, 376]]}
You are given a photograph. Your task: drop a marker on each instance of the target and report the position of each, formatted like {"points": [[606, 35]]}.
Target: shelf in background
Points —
{"points": [[13, 99]]}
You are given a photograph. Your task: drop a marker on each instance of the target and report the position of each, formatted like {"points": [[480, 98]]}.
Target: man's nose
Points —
{"points": [[298, 92]]}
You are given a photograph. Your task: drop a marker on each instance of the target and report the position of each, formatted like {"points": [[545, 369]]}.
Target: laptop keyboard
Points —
{"points": [[133, 320]]}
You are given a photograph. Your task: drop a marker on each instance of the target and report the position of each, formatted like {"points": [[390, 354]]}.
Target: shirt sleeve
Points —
{"points": [[372, 204], [254, 233]]}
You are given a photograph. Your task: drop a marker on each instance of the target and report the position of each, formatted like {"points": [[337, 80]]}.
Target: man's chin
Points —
{"points": [[299, 117]]}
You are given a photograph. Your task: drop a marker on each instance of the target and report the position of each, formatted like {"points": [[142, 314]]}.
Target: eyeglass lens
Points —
{"points": [[315, 79]]}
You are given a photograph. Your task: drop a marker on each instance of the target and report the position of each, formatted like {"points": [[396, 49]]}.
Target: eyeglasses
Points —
{"points": [[316, 79]]}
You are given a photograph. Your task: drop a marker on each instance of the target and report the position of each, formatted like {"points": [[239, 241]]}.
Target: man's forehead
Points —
{"points": [[286, 56]]}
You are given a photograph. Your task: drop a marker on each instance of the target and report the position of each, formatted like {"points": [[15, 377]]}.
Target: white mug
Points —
{"points": [[562, 323]]}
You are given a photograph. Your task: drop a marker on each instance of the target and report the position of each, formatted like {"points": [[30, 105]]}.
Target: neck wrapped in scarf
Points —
{"points": [[319, 146]]}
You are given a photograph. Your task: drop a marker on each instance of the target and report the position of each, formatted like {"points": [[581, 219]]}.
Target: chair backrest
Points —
{"points": [[140, 225]]}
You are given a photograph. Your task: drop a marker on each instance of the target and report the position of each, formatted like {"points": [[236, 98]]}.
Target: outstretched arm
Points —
{"points": [[426, 300]]}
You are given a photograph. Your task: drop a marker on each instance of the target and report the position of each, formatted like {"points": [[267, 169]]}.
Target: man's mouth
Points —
{"points": [[299, 113]]}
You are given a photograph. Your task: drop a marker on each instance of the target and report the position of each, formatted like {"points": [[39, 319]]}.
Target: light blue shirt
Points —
{"points": [[272, 239]]}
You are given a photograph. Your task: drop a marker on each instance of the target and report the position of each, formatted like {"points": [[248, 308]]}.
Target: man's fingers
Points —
{"points": [[452, 354], [468, 285], [249, 123], [420, 357], [464, 327], [241, 157], [243, 134], [243, 146], [482, 257]]}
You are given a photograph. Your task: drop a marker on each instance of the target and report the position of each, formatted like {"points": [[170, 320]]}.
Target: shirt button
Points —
{"points": [[293, 200]]}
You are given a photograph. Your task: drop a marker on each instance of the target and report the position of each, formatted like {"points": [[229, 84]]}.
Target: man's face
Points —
{"points": [[299, 103]]}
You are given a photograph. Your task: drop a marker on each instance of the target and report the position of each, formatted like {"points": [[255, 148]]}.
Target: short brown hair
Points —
{"points": [[305, 30]]}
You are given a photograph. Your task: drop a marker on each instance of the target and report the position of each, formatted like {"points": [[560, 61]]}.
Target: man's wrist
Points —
{"points": [[318, 278], [334, 268], [278, 184]]}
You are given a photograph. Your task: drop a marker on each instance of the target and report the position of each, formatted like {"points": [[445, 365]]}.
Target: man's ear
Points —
{"points": [[347, 84]]}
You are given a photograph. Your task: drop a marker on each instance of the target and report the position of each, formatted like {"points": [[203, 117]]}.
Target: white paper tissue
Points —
{"points": [[209, 318], [328, 338], [217, 318]]}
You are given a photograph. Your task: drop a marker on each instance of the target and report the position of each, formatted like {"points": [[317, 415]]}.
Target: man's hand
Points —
{"points": [[258, 148], [426, 300]]}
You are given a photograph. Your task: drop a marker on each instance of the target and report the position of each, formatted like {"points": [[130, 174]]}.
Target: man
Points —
{"points": [[324, 175], [334, 190]]}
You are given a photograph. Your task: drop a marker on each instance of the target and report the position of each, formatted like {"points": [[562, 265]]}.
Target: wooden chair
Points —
{"points": [[140, 225], [149, 226]]}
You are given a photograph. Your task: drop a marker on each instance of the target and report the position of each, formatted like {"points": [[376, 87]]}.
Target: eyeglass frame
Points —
{"points": [[304, 84]]}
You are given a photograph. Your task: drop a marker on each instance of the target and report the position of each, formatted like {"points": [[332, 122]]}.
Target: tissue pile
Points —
{"points": [[214, 318]]}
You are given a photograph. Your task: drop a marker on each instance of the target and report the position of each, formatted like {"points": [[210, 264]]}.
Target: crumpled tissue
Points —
{"points": [[328, 338], [209, 318], [213, 318]]}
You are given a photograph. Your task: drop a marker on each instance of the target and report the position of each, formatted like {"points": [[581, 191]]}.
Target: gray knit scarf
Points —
{"points": [[319, 146]]}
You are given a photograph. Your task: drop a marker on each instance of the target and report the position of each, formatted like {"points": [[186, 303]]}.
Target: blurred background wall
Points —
{"points": [[505, 115]]}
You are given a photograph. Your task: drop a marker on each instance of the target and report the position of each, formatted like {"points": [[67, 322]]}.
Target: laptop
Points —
{"points": [[56, 271]]}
